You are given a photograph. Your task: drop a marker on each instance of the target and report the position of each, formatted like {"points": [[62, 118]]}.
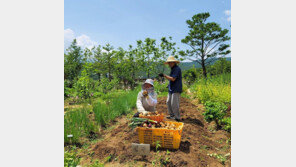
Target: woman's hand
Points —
{"points": [[145, 93]]}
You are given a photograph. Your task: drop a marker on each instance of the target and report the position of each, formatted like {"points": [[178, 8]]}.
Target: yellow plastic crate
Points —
{"points": [[167, 138], [155, 118]]}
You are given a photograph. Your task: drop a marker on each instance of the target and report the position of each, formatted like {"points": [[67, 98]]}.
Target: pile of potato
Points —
{"points": [[149, 114], [156, 124]]}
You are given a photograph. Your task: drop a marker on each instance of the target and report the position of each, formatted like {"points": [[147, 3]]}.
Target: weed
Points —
{"points": [[222, 158], [160, 160], [205, 147], [96, 164], [71, 159]]}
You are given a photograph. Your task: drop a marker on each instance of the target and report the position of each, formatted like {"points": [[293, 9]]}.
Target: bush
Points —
{"points": [[226, 122], [106, 86], [85, 85], [214, 111], [161, 87], [190, 75]]}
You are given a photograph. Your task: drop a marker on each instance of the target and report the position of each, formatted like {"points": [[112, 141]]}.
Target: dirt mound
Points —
{"points": [[196, 144]]}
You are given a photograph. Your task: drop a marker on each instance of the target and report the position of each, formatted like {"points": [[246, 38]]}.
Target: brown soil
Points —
{"points": [[198, 140]]}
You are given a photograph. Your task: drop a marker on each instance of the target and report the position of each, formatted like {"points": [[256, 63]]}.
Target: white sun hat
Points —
{"points": [[149, 81]]}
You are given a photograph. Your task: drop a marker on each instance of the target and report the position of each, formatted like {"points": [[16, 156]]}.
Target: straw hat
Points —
{"points": [[171, 59]]}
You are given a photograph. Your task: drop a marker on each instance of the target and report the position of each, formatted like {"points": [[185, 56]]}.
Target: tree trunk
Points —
{"points": [[204, 70], [109, 73]]}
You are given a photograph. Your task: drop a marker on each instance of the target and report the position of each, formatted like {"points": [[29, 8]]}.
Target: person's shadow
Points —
{"points": [[193, 121]]}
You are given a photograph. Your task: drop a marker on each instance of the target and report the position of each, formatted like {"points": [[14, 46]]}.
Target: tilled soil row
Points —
{"points": [[196, 144]]}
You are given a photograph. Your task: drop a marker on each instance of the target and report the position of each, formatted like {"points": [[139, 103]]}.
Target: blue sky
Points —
{"points": [[123, 22]]}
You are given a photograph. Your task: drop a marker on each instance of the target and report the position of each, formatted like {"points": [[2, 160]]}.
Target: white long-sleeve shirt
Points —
{"points": [[148, 103]]}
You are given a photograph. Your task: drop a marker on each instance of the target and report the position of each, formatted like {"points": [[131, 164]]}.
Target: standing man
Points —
{"points": [[175, 88]]}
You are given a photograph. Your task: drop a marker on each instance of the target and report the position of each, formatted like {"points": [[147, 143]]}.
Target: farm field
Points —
{"points": [[201, 143]]}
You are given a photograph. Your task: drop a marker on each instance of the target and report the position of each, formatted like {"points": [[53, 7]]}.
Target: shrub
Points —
{"points": [[190, 75], [161, 87], [106, 86], [226, 122], [85, 85], [214, 111]]}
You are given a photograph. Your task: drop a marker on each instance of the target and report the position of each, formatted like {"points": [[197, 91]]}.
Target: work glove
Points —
{"points": [[161, 75], [145, 93], [137, 114]]}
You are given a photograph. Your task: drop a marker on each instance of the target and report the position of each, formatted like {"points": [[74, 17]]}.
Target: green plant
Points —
{"points": [[96, 164], [214, 111], [70, 159], [118, 104], [85, 84], [226, 122], [219, 156], [216, 88], [161, 87], [190, 75], [77, 125], [160, 160]]}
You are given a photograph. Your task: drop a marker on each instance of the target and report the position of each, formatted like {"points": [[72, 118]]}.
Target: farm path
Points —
{"points": [[198, 141]]}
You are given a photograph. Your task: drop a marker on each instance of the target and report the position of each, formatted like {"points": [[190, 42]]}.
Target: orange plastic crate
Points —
{"points": [[167, 138], [154, 118]]}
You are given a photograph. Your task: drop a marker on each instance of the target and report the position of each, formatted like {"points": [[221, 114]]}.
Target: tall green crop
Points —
{"points": [[216, 88], [77, 124]]}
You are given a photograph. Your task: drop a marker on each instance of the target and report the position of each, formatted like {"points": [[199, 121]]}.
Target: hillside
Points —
{"points": [[188, 65], [183, 65]]}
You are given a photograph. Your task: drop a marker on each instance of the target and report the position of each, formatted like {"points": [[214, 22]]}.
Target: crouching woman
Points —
{"points": [[147, 98]]}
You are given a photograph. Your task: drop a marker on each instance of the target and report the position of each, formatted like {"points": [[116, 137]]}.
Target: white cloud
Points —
{"points": [[68, 37], [228, 14], [83, 40]]}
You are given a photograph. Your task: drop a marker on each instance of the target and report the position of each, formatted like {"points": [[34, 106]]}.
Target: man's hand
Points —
{"points": [[161, 75]]}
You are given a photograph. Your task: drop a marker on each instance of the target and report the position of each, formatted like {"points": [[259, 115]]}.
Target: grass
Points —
{"points": [[217, 88], [121, 105], [77, 122]]}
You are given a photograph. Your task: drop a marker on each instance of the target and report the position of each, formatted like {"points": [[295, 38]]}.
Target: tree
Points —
{"points": [[203, 39], [98, 61], [166, 49], [148, 52], [108, 60], [73, 62], [120, 66], [220, 67], [132, 59]]}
